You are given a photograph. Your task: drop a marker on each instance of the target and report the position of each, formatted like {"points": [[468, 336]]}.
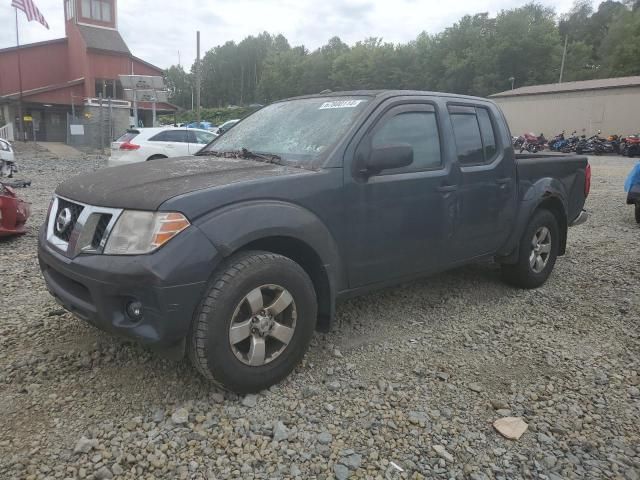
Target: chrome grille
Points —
{"points": [[74, 211], [101, 229], [74, 227]]}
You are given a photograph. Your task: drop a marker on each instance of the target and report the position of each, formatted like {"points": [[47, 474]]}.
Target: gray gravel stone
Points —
{"points": [[250, 400], [341, 472], [325, 438], [180, 416], [280, 431], [85, 445], [103, 474]]}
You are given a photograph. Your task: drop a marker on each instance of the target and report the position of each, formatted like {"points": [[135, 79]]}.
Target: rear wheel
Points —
{"points": [[539, 247], [255, 323], [638, 212]]}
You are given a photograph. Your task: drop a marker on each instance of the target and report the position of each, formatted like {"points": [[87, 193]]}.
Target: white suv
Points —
{"points": [[143, 144]]}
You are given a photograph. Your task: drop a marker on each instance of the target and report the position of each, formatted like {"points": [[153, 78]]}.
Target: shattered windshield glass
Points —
{"points": [[297, 130]]}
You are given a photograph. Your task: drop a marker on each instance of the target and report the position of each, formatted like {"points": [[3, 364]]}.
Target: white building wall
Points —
{"points": [[613, 111]]}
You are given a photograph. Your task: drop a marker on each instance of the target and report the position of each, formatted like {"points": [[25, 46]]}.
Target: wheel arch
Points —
{"points": [[156, 156], [286, 229], [305, 256], [556, 207]]}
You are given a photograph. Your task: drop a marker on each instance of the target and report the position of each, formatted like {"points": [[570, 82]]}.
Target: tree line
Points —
{"points": [[478, 55]]}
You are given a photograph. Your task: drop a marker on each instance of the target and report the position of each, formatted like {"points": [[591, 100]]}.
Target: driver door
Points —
{"points": [[398, 220]]}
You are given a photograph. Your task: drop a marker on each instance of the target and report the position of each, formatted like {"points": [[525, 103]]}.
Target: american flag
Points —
{"points": [[30, 9]]}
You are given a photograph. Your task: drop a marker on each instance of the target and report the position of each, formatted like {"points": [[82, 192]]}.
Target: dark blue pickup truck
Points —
{"points": [[237, 254]]}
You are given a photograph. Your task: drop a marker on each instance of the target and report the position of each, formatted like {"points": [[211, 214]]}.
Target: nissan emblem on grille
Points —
{"points": [[64, 220]]}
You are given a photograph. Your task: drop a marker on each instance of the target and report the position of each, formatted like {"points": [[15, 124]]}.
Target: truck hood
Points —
{"points": [[147, 185]]}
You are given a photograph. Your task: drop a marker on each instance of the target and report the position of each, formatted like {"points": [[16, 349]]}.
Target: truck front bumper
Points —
{"points": [[168, 284]]}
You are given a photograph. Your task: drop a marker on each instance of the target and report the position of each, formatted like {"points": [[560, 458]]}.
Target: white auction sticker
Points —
{"points": [[340, 104]]}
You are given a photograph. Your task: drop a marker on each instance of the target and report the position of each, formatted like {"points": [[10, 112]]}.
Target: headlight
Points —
{"points": [[143, 232], [5, 146]]}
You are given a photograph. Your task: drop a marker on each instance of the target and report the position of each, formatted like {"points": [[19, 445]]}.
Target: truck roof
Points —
{"points": [[386, 94]]}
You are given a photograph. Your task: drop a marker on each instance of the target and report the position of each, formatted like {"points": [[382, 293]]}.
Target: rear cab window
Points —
{"points": [[474, 134]]}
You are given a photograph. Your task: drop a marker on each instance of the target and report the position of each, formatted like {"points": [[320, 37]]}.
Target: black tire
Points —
{"points": [[638, 213], [209, 346], [156, 157], [522, 274]]}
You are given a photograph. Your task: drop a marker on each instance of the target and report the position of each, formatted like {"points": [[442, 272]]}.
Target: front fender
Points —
{"points": [[234, 226]]}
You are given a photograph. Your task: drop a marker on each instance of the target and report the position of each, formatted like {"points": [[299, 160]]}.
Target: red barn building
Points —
{"points": [[68, 74]]}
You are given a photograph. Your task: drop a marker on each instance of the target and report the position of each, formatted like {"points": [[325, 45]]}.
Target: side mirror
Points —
{"points": [[388, 157]]}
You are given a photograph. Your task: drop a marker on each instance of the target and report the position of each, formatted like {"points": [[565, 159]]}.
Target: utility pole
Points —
{"points": [[20, 125], [198, 78], [564, 56]]}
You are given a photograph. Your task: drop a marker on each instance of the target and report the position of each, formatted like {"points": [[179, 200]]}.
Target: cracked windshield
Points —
{"points": [[299, 130]]}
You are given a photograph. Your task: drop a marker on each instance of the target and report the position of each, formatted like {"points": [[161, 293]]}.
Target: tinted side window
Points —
{"points": [[191, 137], [488, 134], [160, 137], [179, 136], [468, 139], [418, 129]]}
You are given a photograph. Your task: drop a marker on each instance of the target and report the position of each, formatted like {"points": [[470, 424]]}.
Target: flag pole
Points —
{"points": [[20, 116]]}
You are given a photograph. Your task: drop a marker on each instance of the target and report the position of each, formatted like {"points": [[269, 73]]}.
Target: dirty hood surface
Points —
{"points": [[145, 186]]}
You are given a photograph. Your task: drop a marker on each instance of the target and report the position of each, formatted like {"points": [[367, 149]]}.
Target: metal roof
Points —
{"points": [[103, 39], [600, 84]]}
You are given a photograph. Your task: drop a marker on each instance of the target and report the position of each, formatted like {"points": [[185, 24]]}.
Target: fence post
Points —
{"points": [[101, 126], [111, 132]]}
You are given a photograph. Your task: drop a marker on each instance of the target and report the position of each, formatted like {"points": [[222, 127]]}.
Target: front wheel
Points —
{"points": [[638, 213], [255, 322], [539, 247]]}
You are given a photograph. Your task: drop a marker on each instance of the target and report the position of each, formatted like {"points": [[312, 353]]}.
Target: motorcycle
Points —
{"points": [[593, 145], [558, 142], [630, 146], [532, 143], [571, 143]]}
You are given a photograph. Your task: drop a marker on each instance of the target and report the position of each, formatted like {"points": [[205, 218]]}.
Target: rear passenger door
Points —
{"points": [[486, 192], [398, 220]]}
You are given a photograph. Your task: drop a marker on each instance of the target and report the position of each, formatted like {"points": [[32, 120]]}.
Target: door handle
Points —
{"points": [[447, 188], [503, 181]]}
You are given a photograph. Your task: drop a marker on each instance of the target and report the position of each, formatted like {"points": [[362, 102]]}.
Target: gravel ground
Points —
{"points": [[407, 385]]}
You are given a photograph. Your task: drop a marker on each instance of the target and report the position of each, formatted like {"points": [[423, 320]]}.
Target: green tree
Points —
{"points": [[620, 51], [179, 85]]}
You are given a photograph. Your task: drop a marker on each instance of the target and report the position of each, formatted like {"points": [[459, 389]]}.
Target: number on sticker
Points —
{"points": [[340, 104]]}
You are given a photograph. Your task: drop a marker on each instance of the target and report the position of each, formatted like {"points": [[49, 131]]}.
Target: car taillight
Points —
{"points": [[129, 146], [587, 181]]}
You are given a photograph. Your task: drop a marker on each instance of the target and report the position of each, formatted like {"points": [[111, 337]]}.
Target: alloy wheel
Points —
{"points": [[263, 324], [540, 249]]}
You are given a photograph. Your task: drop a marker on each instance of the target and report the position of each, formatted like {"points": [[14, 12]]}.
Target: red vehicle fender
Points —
{"points": [[14, 213]]}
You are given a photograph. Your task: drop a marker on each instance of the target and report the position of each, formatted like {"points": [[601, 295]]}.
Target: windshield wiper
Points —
{"points": [[243, 153]]}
